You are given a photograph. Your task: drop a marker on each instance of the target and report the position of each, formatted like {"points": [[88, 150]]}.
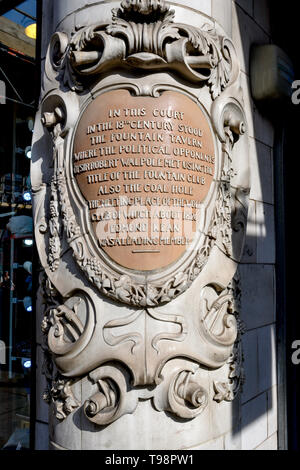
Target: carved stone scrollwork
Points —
{"points": [[131, 40], [218, 322], [69, 327], [228, 390], [61, 395], [136, 334], [112, 400], [51, 119], [59, 389], [187, 398], [66, 326], [183, 391], [122, 288], [54, 229]]}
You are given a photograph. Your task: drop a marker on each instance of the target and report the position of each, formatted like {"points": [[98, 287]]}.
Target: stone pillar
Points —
{"points": [[141, 183]]}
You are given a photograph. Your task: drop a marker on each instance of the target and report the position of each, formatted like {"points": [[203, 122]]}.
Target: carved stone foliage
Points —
{"points": [[112, 400], [172, 325]]}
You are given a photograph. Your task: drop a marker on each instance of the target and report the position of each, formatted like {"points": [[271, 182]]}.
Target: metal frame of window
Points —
{"points": [[5, 6]]}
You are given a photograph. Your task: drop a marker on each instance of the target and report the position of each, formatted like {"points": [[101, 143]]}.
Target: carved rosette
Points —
{"points": [[178, 318]]}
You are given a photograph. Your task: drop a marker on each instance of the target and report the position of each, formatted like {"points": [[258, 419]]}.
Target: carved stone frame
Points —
{"points": [[61, 210]]}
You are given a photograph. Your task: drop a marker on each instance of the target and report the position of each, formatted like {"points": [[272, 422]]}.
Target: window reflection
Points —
{"points": [[17, 70]]}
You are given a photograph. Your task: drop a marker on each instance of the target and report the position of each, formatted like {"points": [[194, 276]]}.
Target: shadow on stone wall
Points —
{"points": [[258, 420]]}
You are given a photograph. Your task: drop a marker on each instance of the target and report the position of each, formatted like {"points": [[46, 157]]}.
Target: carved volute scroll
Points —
{"points": [[140, 208]]}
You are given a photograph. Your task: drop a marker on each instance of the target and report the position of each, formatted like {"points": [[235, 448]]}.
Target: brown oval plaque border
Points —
{"points": [[143, 168]]}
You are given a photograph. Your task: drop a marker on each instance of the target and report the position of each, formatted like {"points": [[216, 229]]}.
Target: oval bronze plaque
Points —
{"points": [[144, 166]]}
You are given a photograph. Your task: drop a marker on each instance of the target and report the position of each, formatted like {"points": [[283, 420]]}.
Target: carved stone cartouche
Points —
{"points": [[170, 322]]}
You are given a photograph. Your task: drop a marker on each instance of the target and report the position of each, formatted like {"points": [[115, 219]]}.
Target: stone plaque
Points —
{"points": [[140, 209], [144, 166]]}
